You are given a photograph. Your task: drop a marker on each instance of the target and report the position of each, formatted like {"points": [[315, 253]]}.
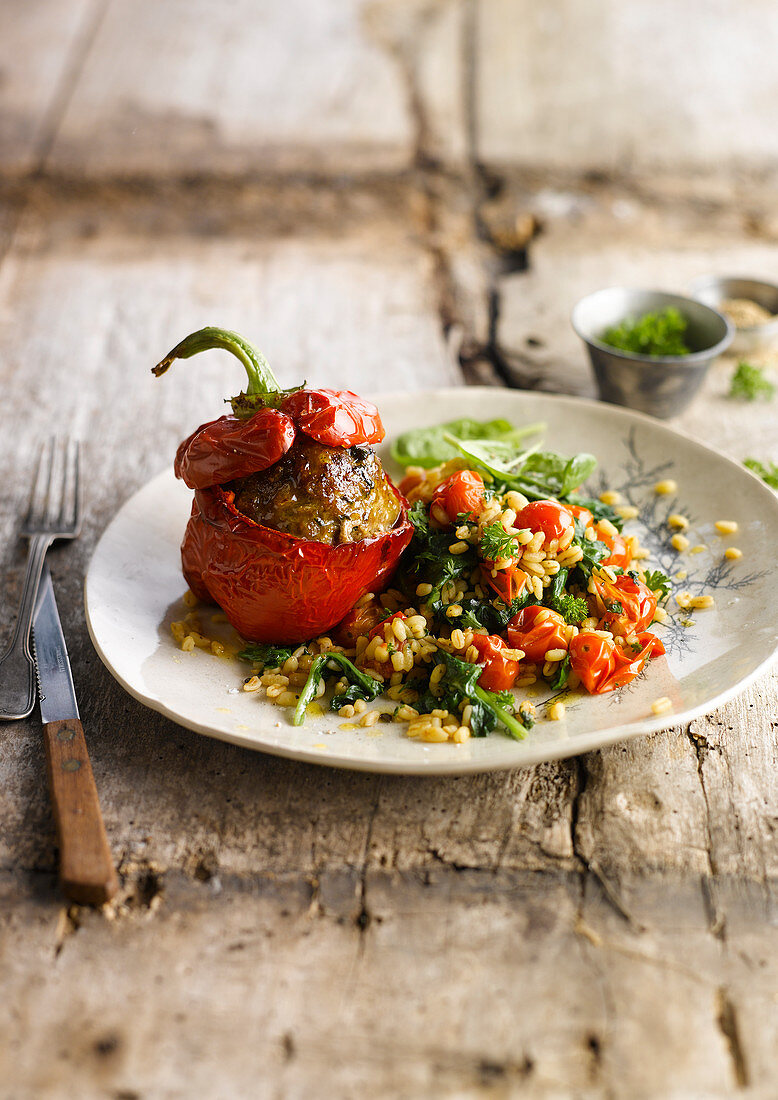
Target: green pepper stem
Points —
{"points": [[261, 377]]}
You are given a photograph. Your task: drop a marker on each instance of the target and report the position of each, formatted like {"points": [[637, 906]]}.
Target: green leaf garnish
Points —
{"points": [[495, 542], [767, 471], [658, 582], [749, 384]]}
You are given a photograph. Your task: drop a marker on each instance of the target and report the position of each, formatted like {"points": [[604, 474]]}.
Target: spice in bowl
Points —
{"points": [[744, 313]]}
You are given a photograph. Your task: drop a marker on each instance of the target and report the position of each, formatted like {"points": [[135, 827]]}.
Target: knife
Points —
{"points": [[86, 867]]}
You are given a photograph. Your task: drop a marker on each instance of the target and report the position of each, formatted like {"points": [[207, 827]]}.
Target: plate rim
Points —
{"points": [[429, 766]]}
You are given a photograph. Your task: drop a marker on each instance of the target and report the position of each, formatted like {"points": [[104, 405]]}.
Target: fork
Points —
{"points": [[54, 512]]}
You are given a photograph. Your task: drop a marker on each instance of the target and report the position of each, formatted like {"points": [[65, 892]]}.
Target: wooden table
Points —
{"points": [[603, 926], [600, 927]]}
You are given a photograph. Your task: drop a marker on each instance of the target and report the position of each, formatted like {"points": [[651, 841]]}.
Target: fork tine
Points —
{"points": [[39, 493]]}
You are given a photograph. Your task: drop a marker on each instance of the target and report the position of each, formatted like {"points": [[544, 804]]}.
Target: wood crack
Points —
{"points": [[727, 1020], [590, 864]]}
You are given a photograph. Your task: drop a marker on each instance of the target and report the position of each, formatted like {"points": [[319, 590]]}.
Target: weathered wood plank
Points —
{"points": [[545, 991], [595, 928], [189, 87], [38, 47]]}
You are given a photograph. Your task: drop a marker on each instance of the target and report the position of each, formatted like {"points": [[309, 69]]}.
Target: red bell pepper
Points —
{"points": [[229, 448], [272, 586]]}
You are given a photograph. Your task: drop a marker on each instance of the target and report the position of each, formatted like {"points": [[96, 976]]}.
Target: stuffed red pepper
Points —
{"points": [[293, 517]]}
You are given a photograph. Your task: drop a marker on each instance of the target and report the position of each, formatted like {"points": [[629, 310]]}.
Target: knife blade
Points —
{"points": [[86, 867], [56, 693]]}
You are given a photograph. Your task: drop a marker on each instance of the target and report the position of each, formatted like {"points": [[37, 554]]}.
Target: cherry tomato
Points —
{"points": [[359, 621], [409, 483], [601, 665], [462, 492], [581, 513], [619, 555], [535, 630], [379, 626], [547, 516], [509, 582], [657, 648], [499, 672], [637, 601]]}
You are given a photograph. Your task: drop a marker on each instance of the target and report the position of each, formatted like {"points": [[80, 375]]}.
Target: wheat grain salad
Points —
{"points": [[513, 577]]}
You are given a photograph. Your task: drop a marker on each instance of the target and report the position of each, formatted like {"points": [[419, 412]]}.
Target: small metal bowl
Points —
{"points": [[715, 289], [660, 386]]}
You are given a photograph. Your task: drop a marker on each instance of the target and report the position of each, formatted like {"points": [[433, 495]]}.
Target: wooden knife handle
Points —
{"points": [[86, 867]]}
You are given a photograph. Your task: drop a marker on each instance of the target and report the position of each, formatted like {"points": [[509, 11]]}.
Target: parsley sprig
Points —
{"points": [[768, 471], [749, 384], [495, 543], [658, 334]]}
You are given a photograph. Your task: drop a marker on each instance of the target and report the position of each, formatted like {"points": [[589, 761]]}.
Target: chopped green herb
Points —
{"points": [[615, 608], [768, 471], [573, 609], [594, 551], [495, 542], [658, 582], [656, 334], [749, 384]]}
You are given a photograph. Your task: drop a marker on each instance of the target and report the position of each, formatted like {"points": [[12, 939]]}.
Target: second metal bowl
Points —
{"points": [[662, 386], [713, 290]]}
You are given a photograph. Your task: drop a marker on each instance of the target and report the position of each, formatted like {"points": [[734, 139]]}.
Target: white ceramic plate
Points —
{"points": [[134, 589]]}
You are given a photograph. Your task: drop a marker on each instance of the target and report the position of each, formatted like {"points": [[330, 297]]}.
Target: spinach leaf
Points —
{"points": [[321, 665], [429, 446], [269, 656], [562, 674], [490, 708], [535, 473]]}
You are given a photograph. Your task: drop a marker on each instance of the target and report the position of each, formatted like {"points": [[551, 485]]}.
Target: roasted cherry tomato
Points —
{"points": [[379, 626], [535, 630], [547, 516], [359, 621], [637, 602], [228, 448], [581, 513], [411, 482], [500, 671], [463, 492], [657, 648], [337, 418], [620, 555], [601, 665], [509, 582]]}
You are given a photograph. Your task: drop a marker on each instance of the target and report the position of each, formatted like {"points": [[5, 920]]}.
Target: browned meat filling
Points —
{"points": [[329, 494]]}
